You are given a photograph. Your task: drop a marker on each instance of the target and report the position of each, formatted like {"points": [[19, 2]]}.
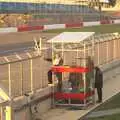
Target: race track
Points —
{"points": [[18, 42]]}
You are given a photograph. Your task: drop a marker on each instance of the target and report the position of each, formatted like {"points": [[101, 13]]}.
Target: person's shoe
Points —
{"points": [[50, 83], [99, 101]]}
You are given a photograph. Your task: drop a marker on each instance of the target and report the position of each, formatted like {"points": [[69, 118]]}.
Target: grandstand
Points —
{"points": [[37, 12]]}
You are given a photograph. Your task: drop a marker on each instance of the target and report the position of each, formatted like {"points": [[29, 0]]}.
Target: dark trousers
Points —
{"points": [[99, 92], [50, 76], [59, 77]]}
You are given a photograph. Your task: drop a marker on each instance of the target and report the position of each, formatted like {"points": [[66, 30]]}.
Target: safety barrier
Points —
{"points": [[58, 26], [22, 73], [29, 28]]}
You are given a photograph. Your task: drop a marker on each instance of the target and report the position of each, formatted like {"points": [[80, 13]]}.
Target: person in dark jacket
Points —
{"points": [[99, 83]]}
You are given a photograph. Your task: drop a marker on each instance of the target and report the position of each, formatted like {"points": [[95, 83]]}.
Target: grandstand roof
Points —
{"points": [[71, 37]]}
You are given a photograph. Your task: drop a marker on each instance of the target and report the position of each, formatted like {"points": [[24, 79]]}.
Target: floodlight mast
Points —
{"points": [[92, 3], [97, 3]]}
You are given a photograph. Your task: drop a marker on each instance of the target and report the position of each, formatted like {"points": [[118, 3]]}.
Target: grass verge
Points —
{"points": [[112, 103], [110, 117]]}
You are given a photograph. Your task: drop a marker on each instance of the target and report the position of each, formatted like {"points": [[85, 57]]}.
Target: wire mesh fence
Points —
{"points": [[27, 72], [20, 76]]}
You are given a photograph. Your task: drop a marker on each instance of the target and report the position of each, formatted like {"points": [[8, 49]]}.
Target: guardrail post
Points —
{"points": [[107, 51]]}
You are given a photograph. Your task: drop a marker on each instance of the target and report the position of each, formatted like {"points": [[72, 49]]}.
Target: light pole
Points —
{"points": [[100, 8]]}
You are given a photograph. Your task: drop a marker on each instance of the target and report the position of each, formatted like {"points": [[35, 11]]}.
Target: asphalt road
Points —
{"points": [[18, 42], [16, 47]]}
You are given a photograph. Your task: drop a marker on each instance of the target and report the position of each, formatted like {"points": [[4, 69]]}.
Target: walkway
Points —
{"points": [[111, 88]]}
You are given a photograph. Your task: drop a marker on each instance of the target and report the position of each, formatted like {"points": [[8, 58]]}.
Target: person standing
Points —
{"points": [[99, 83], [58, 61]]}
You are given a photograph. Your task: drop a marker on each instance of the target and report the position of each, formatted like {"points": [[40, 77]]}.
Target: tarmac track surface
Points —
{"points": [[18, 42]]}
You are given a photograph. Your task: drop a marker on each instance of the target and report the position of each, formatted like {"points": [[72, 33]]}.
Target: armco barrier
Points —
{"points": [[106, 22], [117, 21], [68, 25], [74, 25], [94, 23], [8, 30], [29, 28], [58, 26], [54, 26]]}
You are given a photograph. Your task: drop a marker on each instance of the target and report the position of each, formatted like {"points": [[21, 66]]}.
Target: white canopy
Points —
{"points": [[71, 37]]}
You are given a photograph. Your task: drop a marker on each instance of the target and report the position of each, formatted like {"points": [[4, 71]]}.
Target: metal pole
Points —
{"points": [[62, 48], [1, 113], [93, 59], [93, 48], [21, 69], [40, 46], [21, 74], [31, 74], [118, 48], [98, 53], [114, 49], [100, 8], [8, 114], [84, 77], [52, 88], [107, 51], [77, 58], [9, 79]]}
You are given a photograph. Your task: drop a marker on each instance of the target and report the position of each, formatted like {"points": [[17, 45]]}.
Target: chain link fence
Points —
{"points": [[23, 73], [27, 72]]}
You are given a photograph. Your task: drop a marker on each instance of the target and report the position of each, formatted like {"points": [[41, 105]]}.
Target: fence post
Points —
{"points": [[8, 114], [9, 77], [21, 69], [1, 113], [98, 53], [31, 72], [21, 74], [107, 52], [114, 49]]}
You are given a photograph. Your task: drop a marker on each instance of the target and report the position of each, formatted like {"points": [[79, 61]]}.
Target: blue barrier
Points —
{"points": [[18, 7]]}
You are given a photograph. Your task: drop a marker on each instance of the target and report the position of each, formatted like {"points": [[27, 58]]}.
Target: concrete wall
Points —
{"points": [[32, 106]]}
